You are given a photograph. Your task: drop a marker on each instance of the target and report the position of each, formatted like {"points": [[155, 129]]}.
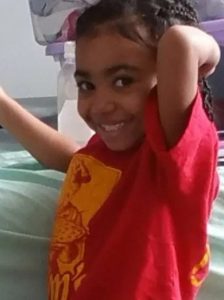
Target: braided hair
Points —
{"points": [[156, 16]]}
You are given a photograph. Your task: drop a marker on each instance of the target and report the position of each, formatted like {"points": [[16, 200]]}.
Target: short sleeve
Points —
{"points": [[188, 170], [200, 131]]}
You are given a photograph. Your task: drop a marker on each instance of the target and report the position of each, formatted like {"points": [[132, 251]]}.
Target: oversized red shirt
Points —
{"points": [[132, 225]]}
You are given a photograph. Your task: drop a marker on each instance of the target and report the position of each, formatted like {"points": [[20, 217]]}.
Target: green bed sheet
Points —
{"points": [[28, 196]]}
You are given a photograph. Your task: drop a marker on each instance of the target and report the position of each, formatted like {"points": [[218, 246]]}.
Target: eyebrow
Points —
{"points": [[123, 67], [80, 73], [108, 71]]}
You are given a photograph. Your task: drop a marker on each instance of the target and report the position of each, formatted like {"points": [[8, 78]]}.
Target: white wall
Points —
{"points": [[24, 69]]}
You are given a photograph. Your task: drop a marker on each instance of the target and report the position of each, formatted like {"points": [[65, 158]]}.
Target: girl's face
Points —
{"points": [[115, 76]]}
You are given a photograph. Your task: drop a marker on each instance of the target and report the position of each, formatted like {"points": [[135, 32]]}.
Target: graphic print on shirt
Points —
{"points": [[87, 186], [199, 271]]}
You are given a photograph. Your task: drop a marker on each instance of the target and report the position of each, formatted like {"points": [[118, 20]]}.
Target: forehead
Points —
{"points": [[106, 49]]}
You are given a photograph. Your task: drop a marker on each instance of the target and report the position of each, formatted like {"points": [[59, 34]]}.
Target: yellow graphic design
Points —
{"points": [[197, 276], [87, 186]]}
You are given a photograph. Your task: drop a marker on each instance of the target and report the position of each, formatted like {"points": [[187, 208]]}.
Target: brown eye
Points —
{"points": [[84, 86], [123, 81]]}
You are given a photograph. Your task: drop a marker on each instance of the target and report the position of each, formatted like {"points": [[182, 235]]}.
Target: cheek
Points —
{"points": [[82, 108], [136, 102], [136, 105]]}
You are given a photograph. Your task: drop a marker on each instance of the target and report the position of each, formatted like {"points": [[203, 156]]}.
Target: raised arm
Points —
{"points": [[184, 54], [44, 143]]}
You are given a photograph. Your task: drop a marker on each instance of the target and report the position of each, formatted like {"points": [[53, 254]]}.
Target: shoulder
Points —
{"points": [[199, 127]]}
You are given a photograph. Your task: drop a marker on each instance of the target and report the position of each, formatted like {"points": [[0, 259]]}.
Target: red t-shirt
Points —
{"points": [[132, 225]]}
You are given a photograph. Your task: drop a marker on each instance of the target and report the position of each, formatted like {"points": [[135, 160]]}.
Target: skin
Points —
{"points": [[184, 55], [114, 86], [46, 144]]}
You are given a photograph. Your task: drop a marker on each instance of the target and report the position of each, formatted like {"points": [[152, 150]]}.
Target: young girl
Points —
{"points": [[132, 216]]}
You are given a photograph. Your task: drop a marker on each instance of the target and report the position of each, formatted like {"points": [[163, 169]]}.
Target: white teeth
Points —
{"points": [[110, 128]]}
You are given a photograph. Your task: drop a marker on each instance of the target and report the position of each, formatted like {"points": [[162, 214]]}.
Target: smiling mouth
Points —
{"points": [[111, 128]]}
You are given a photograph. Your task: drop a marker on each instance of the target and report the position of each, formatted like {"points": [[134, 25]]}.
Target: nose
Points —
{"points": [[103, 102]]}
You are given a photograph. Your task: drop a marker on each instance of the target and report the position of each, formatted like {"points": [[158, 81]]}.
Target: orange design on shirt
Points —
{"points": [[198, 272], [87, 186]]}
